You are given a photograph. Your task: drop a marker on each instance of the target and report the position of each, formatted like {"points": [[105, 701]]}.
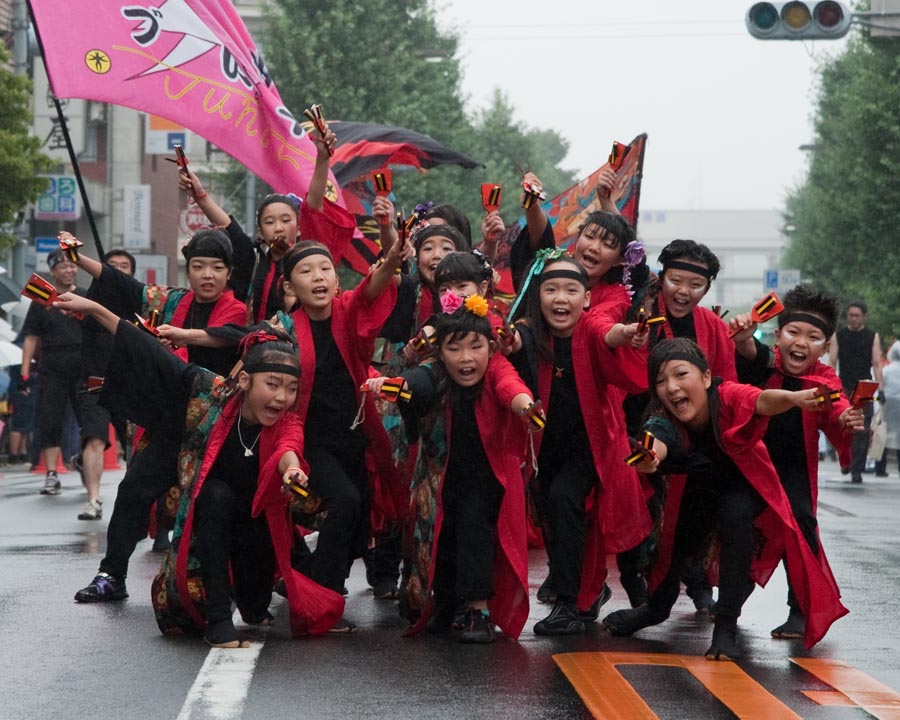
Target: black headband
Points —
{"points": [[563, 275], [689, 267], [262, 367], [302, 254], [813, 320], [692, 358]]}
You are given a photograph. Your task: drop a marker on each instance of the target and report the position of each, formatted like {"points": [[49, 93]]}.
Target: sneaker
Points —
{"points": [[103, 588], [546, 593], [593, 612], [477, 627], [385, 589], [856, 478], [76, 462], [563, 619], [51, 484], [92, 510]]}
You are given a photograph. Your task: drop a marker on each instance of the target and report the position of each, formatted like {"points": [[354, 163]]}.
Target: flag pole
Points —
{"points": [[72, 158]]}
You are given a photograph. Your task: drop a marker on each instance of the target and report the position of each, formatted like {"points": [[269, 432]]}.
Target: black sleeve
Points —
{"points": [[677, 456], [400, 325], [525, 361], [120, 293], [425, 384], [756, 371], [244, 259], [34, 320], [146, 383], [521, 254]]}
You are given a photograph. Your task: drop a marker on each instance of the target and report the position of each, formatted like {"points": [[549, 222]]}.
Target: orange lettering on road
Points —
{"points": [[609, 696], [852, 685]]}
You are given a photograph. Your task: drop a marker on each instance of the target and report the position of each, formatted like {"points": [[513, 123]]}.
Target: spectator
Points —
{"points": [[855, 352], [891, 408]]}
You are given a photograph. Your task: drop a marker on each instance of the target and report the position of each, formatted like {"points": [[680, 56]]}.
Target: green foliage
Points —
{"points": [[366, 62], [846, 236], [21, 160]]}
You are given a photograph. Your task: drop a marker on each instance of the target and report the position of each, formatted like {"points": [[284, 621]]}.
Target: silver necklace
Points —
{"points": [[248, 451]]}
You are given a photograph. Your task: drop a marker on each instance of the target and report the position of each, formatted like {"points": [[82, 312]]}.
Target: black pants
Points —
{"points": [[881, 465], [464, 568], [859, 446], [224, 533], [150, 473], [729, 508], [562, 489], [58, 384], [383, 558], [341, 481]]}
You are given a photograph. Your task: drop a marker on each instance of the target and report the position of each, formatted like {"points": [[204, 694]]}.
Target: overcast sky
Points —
{"points": [[725, 113]]}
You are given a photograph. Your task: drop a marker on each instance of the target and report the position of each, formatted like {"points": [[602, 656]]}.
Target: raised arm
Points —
{"points": [[190, 183], [89, 265], [384, 273], [535, 218], [315, 196], [775, 402]]}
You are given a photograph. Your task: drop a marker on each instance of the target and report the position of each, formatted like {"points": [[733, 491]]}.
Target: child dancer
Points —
{"points": [[336, 334], [281, 219], [468, 500], [239, 444], [708, 437], [808, 321], [589, 502]]}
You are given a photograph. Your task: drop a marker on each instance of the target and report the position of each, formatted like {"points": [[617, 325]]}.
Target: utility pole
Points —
{"points": [[20, 67]]}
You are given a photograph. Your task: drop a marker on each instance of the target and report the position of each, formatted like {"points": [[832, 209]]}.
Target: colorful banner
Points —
{"points": [[191, 63], [568, 209]]}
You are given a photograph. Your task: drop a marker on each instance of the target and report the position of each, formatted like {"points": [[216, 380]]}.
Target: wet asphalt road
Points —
{"points": [[64, 660]]}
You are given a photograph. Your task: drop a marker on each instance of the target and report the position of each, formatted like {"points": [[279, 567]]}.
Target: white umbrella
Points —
{"points": [[9, 354]]}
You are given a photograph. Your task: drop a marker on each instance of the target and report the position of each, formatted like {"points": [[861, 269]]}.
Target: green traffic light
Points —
{"points": [[764, 15]]}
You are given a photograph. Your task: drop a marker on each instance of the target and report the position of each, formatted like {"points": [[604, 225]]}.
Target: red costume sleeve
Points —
{"points": [[333, 226]]}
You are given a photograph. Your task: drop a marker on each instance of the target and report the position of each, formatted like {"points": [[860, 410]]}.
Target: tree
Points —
{"points": [[845, 233], [367, 62], [21, 160]]}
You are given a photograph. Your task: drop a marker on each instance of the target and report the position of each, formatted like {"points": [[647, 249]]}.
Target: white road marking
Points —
{"points": [[219, 691]]}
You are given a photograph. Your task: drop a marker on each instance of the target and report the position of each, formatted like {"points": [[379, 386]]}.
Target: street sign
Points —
{"points": [[60, 201], [780, 280]]}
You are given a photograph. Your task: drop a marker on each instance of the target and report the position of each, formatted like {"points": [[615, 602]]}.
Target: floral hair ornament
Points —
{"points": [[634, 254], [450, 302], [541, 258], [476, 305], [423, 209]]}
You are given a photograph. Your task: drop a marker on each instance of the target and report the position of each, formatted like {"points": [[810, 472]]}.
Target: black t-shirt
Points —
{"points": [[565, 435], [854, 356], [333, 398], [60, 334], [467, 463], [234, 467]]}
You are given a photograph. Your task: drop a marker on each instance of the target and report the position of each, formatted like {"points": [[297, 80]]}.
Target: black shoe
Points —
{"points": [[563, 619], [703, 599], [724, 640], [222, 634], [477, 627], [845, 470], [546, 593], [856, 478], [880, 473], [794, 628], [103, 588], [442, 619], [623, 623], [593, 612], [635, 587], [161, 542], [385, 589]]}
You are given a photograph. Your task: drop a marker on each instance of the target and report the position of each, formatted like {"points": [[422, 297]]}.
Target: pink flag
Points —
{"points": [[190, 61]]}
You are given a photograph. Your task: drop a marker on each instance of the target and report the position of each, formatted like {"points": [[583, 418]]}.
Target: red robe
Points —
{"points": [[355, 323], [742, 432], [504, 437], [616, 512]]}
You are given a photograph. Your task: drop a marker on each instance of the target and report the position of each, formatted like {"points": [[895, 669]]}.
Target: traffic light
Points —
{"points": [[798, 20]]}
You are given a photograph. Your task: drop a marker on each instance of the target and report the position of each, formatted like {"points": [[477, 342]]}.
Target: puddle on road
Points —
{"points": [[88, 545]]}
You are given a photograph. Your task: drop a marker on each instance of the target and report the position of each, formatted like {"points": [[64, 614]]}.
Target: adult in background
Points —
{"points": [[891, 406], [855, 351]]}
